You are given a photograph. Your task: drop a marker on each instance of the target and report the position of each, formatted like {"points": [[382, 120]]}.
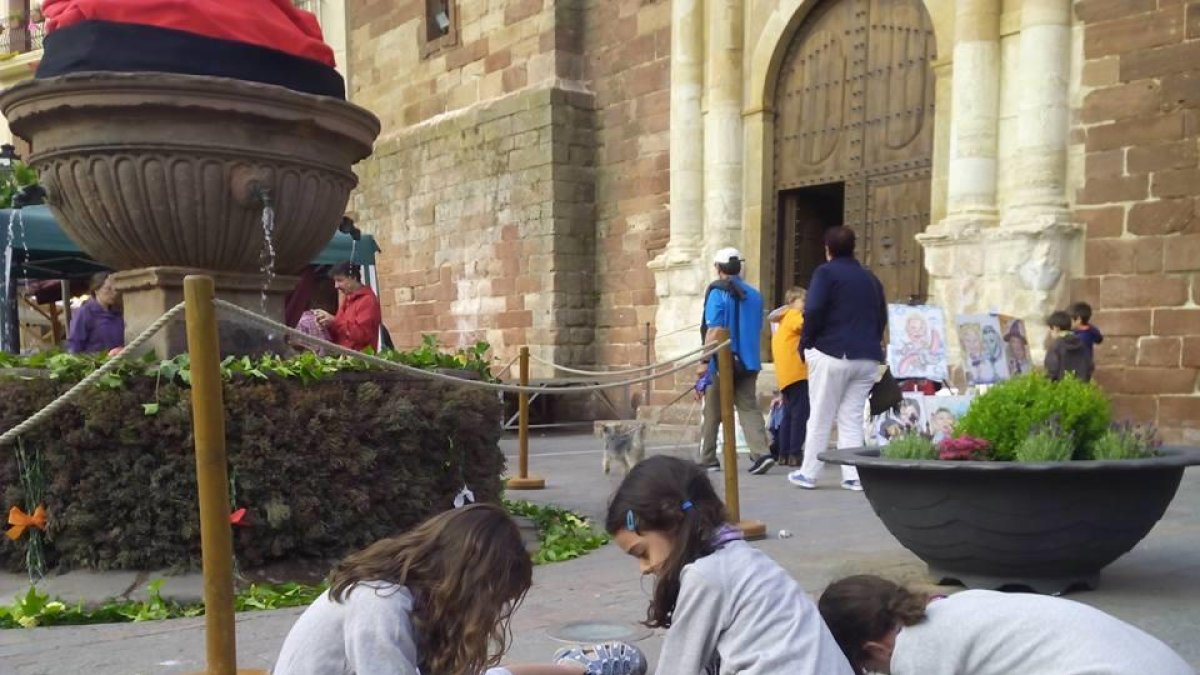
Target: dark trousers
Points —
{"points": [[794, 426]]}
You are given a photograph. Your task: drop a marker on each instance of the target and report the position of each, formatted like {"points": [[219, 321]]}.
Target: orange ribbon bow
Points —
{"points": [[21, 521]]}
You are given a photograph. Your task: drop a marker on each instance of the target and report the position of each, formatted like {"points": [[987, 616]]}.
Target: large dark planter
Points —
{"points": [[1048, 527]]}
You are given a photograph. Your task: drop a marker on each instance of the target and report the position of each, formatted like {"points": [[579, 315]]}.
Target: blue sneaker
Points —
{"points": [[852, 485], [609, 658], [801, 481]]}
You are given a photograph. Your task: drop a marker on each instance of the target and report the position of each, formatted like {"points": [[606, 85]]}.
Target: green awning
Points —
{"points": [[43, 251]]}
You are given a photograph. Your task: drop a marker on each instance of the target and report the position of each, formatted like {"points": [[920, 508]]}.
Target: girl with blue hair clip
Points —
{"points": [[727, 607]]}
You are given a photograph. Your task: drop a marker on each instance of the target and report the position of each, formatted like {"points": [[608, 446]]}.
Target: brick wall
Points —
{"points": [[501, 47], [627, 47], [1140, 201], [520, 187], [486, 218]]}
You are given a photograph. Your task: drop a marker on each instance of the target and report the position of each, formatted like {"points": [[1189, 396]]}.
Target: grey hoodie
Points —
{"points": [[1069, 354]]}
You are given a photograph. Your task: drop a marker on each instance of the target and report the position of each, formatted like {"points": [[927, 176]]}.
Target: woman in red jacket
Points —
{"points": [[356, 325]]}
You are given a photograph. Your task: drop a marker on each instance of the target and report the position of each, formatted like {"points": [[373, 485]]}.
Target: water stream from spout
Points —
{"points": [[268, 252], [353, 250], [5, 329]]}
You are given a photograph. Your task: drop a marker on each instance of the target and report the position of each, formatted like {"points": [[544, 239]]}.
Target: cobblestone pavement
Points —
{"points": [[1156, 586]]}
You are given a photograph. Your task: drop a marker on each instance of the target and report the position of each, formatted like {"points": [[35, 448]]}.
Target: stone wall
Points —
{"points": [[499, 48], [519, 189], [1141, 126], [486, 220], [627, 44]]}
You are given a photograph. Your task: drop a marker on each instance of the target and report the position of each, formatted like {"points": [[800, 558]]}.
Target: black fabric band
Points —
{"points": [[107, 46]]}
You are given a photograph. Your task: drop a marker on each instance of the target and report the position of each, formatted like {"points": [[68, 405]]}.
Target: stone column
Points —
{"points": [[687, 126], [1044, 112], [679, 274], [723, 135], [971, 193]]}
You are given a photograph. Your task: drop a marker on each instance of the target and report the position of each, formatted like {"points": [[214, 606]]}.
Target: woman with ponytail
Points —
{"points": [[727, 607], [885, 628]]}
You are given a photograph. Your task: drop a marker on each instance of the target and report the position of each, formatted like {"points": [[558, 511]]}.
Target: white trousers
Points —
{"points": [[837, 390]]}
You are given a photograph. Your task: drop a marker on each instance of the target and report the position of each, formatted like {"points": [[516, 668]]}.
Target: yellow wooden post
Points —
{"points": [[523, 480], [752, 529], [208, 423]]}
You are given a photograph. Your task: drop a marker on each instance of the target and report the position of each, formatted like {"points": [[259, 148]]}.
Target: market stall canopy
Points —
{"points": [[41, 250]]}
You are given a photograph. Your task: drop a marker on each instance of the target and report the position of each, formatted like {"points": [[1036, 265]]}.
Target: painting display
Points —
{"points": [[909, 417], [1016, 345], [983, 348], [931, 416], [942, 413], [917, 342]]}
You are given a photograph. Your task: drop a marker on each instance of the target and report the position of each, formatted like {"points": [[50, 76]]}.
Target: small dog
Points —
{"points": [[624, 443]]}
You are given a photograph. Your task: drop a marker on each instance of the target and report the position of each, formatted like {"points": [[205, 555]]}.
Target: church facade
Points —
{"points": [[558, 173]]}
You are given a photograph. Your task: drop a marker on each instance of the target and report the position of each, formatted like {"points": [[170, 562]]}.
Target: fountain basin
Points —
{"points": [[146, 170]]}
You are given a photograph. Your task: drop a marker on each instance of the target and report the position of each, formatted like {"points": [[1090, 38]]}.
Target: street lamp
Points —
{"points": [[8, 158]]}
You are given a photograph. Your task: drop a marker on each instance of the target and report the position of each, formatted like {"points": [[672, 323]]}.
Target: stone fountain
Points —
{"points": [[164, 175]]}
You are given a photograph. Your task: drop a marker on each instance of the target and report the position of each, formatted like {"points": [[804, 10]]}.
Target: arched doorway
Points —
{"points": [[853, 140]]}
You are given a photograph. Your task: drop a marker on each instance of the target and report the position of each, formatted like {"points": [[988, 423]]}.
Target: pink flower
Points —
{"points": [[963, 448]]}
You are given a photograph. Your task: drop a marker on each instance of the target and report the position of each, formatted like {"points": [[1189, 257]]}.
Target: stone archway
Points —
{"points": [[852, 140]]}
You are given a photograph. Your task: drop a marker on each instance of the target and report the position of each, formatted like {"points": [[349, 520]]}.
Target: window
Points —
{"points": [[313, 6], [441, 26]]}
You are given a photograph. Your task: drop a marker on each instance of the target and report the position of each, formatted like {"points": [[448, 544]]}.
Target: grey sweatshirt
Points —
{"points": [[992, 633], [740, 612], [369, 633]]}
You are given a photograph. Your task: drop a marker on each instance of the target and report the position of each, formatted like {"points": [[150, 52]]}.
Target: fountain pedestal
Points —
{"points": [[150, 292], [163, 175]]}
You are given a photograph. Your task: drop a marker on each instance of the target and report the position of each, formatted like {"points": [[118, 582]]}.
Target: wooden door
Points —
{"points": [[806, 213], [854, 107], [897, 209]]}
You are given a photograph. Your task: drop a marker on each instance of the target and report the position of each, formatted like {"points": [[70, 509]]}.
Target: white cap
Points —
{"points": [[726, 255]]}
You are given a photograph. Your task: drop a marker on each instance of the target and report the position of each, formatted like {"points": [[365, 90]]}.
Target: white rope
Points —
{"points": [[433, 375], [71, 394], [627, 371]]}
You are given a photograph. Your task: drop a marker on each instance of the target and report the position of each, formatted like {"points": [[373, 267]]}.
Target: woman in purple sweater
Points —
{"points": [[97, 326]]}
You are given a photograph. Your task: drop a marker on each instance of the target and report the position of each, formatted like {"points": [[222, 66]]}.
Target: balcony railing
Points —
{"points": [[21, 35]]}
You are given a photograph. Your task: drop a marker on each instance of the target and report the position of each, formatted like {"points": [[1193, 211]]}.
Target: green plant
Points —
{"points": [[323, 467], [562, 535], [1009, 411], [910, 445], [1127, 441], [306, 366], [22, 176], [1047, 442]]}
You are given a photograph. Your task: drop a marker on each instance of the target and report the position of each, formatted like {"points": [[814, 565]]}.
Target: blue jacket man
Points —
{"points": [[736, 306]]}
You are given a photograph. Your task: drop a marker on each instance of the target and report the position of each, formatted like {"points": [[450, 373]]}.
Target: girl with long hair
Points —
{"points": [[436, 600], [727, 607], [885, 628]]}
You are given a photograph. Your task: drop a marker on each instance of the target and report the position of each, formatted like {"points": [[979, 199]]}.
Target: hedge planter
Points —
{"points": [[1047, 527], [322, 468]]}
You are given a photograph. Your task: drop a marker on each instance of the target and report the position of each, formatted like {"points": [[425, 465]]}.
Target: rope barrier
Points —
{"points": [[433, 375], [627, 371], [677, 331], [71, 394]]}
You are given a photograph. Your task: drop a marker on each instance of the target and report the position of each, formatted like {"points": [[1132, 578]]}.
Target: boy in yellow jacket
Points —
{"points": [[792, 375]]}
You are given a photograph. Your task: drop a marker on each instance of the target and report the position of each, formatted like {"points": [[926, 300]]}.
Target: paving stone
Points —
{"points": [[1156, 586]]}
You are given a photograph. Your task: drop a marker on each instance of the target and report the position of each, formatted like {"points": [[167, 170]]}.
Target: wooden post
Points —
{"points": [[208, 421], [752, 529], [524, 481], [65, 290]]}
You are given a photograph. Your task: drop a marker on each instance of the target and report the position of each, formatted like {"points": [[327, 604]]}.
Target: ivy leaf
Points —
{"points": [[150, 409]]}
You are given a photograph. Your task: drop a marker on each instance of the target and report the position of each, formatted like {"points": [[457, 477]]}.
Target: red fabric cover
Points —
{"points": [[275, 24]]}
